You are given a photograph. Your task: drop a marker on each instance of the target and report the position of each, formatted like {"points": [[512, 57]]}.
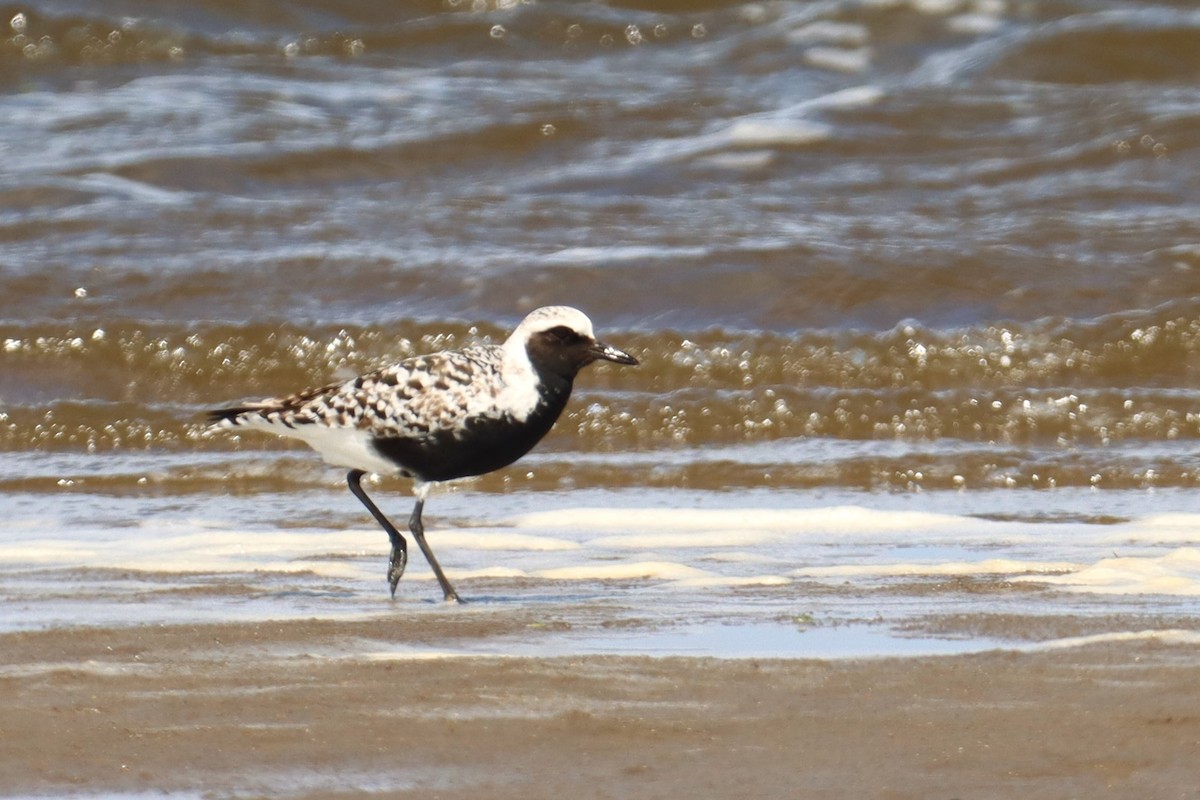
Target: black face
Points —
{"points": [[563, 351]]}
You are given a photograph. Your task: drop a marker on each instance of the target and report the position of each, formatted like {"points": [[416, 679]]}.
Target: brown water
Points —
{"points": [[860, 247]]}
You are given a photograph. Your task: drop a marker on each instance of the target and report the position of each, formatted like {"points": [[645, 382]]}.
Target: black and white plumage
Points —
{"points": [[438, 417]]}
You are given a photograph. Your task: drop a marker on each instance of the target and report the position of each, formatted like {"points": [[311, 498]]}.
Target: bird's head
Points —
{"points": [[560, 339]]}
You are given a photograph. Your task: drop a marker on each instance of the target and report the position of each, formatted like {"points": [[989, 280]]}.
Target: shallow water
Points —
{"points": [[915, 286], [766, 572]]}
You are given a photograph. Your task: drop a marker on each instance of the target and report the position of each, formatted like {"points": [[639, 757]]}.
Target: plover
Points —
{"points": [[438, 417]]}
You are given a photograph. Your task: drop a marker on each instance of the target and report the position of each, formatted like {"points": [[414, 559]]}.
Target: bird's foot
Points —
{"points": [[396, 565], [452, 597]]}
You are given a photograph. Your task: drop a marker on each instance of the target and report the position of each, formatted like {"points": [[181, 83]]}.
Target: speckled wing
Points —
{"points": [[414, 398]]}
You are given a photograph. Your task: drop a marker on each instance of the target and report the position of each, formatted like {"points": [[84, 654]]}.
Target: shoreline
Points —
{"points": [[317, 708]]}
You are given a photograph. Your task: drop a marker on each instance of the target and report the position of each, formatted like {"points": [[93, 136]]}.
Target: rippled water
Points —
{"points": [[925, 247]]}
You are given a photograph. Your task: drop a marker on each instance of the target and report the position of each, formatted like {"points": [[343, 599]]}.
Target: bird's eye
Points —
{"points": [[563, 335]]}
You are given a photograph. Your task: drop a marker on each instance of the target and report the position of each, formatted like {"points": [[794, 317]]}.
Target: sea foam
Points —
{"points": [[1175, 573]]}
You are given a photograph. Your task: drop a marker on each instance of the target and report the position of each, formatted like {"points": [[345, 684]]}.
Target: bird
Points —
{"points": [[437, 417]]}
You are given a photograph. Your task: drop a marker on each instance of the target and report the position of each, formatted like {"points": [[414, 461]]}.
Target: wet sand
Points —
{"points": [[330, 709]]}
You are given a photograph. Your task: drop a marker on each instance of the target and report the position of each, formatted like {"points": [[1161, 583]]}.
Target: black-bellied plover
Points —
{"points": [[438, 417]]}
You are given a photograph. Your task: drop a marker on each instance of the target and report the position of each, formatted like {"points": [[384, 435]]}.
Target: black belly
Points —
{"points": [[484, 445]]}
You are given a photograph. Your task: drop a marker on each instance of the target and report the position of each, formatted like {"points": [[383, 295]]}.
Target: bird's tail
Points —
{"points": [[237, 415]]}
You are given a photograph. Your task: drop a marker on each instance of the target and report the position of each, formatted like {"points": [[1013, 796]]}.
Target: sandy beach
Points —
{"points": [[325, 709], [901, 501]]}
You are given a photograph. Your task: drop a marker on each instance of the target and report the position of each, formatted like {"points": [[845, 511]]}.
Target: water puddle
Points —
{"points": [[717, 640]]}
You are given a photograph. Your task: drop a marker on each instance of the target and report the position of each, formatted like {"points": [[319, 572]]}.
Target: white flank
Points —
{"points": [[342, 447]]}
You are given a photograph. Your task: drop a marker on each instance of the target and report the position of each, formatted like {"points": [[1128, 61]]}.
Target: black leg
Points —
{"points": [[418, 532], [399, 557]]}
